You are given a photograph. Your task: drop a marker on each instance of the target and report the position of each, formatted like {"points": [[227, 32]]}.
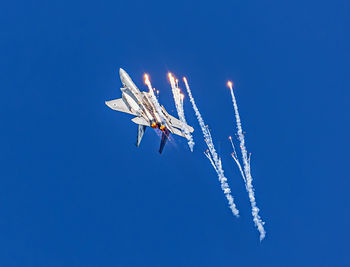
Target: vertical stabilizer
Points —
{"points": [[165, 136], [140, 131]]}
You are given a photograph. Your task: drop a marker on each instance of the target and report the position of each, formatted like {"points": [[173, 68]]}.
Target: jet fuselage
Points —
{"points": [[141, 103]]}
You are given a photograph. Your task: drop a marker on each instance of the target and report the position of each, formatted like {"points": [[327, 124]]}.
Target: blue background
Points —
{"points": [[74, 189]]}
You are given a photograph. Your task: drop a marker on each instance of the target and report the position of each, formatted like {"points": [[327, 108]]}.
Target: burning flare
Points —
{"points": [[147, 82]]}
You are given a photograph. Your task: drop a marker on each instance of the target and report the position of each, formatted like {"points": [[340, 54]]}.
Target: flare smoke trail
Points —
{"points": [[178, 99], [212, 155], [246, 166], [154, 100]]}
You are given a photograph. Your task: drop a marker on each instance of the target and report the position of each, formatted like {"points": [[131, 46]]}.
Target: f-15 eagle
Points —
{"points": [[147, 111]]}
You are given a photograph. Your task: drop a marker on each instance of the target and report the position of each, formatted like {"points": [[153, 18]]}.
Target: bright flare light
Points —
{"points": [[146, 79]]}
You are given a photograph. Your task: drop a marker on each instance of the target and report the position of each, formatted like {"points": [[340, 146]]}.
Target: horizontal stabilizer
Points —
{"points": [[141, 121]]}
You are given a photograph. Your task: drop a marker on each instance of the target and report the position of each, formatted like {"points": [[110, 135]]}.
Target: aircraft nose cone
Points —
{"points": [[122, 72]]}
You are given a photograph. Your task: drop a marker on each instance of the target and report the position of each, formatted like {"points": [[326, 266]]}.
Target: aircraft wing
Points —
{"points": [[119, 105], [178, 132], [178, 124]]}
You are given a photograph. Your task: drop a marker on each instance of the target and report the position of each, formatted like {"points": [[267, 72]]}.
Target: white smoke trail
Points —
{"points": [[246, 166], [183, 120], [178, 99], [212, 155]]}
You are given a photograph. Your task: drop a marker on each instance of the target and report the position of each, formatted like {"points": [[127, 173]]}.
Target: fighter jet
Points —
{"points": [[146, 110]]}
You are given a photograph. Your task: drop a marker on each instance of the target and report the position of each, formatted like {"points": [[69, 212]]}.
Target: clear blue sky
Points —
{"points": [[74, 189]]}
